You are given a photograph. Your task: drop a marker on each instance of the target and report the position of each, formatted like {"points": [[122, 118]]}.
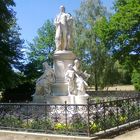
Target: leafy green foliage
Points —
{"points": [[21, 93], [40, 50], [9, 121], [6, 15], [10, 45], [109, 47], [136, 79], [91, 42], [124, 31], [39, 124], [32, 70], [60, 126], [42, 47], [123, 35]]}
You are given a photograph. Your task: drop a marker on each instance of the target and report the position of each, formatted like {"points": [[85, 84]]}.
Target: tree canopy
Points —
{"points": [[91, 26], [124, 36], [124, 31], [10, 45], [108, 45], [40, 50]]}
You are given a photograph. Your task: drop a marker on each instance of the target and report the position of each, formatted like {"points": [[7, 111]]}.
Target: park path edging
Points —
{"points": [[15, 135]]}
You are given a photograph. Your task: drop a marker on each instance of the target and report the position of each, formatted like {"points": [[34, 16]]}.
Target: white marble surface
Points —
{"points": [[77, 79], [65, 87], [64, 27], [61, 99], [61, 61], [43, 83]]}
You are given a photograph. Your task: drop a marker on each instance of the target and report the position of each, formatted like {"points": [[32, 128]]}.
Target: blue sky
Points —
{"points": [[32, 14]]}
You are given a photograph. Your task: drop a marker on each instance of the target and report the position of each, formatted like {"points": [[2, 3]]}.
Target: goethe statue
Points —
{"points": [[64, 25], [66, 77]]}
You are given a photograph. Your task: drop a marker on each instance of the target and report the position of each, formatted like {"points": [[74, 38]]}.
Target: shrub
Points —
{"points": [[11, 121], [40, 124], [78, 123], [122, 119], [60, 126], [95, 127], [136, 79], [21, 93]]}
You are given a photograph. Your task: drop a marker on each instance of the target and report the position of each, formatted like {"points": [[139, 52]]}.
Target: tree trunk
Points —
{"points": [[96, 81]]}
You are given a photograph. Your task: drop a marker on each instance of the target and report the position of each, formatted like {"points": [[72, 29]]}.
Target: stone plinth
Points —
{"points": [[72, 99], [60, 64], [60, 89], [39, 99], [61, 100]]}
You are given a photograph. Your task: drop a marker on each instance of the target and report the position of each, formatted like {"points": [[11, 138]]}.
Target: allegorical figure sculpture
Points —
{"points": [[77, 80], [80, 79], [43, 84], [63, 36], [69, 76]]}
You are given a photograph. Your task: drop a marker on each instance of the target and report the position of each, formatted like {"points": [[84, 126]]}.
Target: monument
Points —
{"points": [[65, 81]]}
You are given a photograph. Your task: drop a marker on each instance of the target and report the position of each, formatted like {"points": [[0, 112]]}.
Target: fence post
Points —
{"points": [[117, 107], [128, 109], [66, 115], [104, 110], [88, 116], [27, 114], [46, 114], [138, 104], [11, 106]]}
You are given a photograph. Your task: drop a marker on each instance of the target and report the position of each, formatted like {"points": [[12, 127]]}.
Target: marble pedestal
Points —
{"points": [[59, 94], [61, 60], [72, 99]]}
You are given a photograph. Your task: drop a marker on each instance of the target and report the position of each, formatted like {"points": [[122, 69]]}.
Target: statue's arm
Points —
{"points": [[43, 76], [56, 22]]}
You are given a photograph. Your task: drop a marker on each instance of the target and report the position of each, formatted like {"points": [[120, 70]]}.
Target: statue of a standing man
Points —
{"points": [[63, 36]]}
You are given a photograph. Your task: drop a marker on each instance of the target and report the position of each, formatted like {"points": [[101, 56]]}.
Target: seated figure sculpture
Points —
{"points": [[43, 84], [77, 80], [80, 78]]}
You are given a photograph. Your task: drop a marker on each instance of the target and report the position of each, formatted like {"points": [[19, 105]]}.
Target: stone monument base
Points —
{"points": [[59, 89], [61, 60], [72, 99]]}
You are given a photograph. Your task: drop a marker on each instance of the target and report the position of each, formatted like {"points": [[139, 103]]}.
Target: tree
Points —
{"points": [[6, 15], [91, 40], [40, 50], [136, 79], [10, 45], [124, 38], [124, 31]]}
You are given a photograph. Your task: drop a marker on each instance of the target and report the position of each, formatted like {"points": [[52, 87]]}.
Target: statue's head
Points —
{"points": [[62, 8], [70, 66]]}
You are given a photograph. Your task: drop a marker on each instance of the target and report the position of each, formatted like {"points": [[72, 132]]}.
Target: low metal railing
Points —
{"points": [[70, 119]]}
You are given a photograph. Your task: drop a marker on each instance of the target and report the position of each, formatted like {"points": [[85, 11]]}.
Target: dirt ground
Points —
{"points": [[116, 87], [121, 87]]}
